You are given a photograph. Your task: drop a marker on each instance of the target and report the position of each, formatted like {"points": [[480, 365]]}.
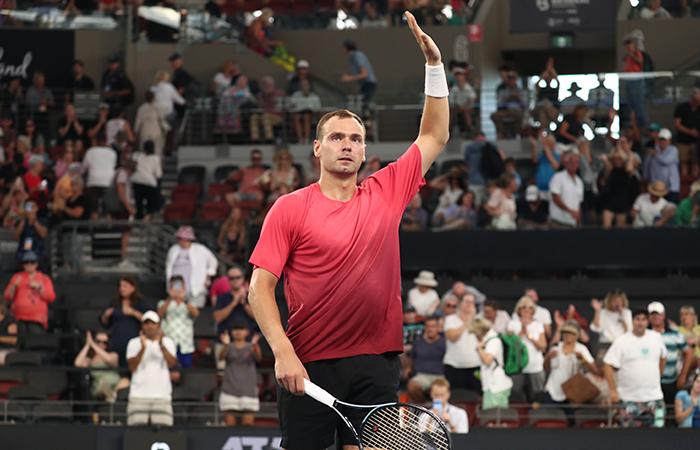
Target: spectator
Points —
{"points": [[372, 166], [509, 166], [99, 163], [121, 186], [62, 192], [178, 316], [565, 360], [454, 418], [687, 123], [688, 208], [689, 327], [654, 10], [70, 129], [425, 361], [412, 329], [363, 74], [451, 186], [77, 207], [117, 89], [547, 107], [233, 104], [532, 332], [461, 214], [270, 101], [194, 262], [239, 387], [511, 106], [96, 354], [678, 352], [651, 209], [372, 18], [498, 319], [661, 164], [12, 102], [182, 80], [225, 78], [305, 106], [8, 332], [40, 101], [8, 136], [612, 318], [501, 204], [260, 35], [687, 407], [570, 103], [567, 194], [79, 82], [448, 306], [415, 217], [61, 166], [570, 316], [532, 211], [150, 125], [601, 102], [117, 124], [283, 173], [461, 358], [37, 186], [31, 233], [462, 98], [231, 307], [300, 75], [620, 189], [149, 170], [150, 357], [30, 292], [635, 88], [247, 179], [570, 136], [639, 358], [101, 124], [123, 315], [166, 97], [495, 383], [232, 236], [541, 314], [548, 162], [423, 297], [13, 205]]}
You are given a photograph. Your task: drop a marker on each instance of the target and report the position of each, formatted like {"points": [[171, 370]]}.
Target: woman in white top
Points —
{"points": [[149, 124], [461, 358], [613, 317], [501, 205], [165, 94], [495, 384], [117, 124], [145, 180], [222, 80], [495, 316], [531, 332], [565, 360]]}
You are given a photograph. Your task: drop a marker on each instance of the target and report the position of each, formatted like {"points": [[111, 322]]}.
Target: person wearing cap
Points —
{"points": [[635, 88], [651, 209], [567, 192], [181, 78], [300, 74], [462, 98], [178, 315], [362, 73], [687, 124], [30, 292], [533, 212], [305, 106], [677, 349], [151, 355], [662, 164], [633, 367], [511, 106], [117, 88], [423, 297], [564, 360], [194, 262]]}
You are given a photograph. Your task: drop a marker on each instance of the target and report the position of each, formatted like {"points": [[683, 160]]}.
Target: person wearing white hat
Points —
{"points": [[423, 297], [532, 211], [194, 262], [150, 356], [662, 164]]}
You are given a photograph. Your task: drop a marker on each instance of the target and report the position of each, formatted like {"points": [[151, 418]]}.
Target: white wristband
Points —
{"points": [[436, 81]]}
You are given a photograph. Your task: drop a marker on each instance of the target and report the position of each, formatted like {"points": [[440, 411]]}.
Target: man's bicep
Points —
{"points": [[263, 279]]}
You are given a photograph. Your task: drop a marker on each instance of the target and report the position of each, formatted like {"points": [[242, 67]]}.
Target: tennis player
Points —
{"points": [[338, 246]]}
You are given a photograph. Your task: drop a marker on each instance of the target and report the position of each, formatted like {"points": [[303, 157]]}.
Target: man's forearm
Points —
{"points": [[610, 377], [264, 307]]}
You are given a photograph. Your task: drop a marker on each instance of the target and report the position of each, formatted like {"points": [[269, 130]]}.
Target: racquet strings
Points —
{"points": [[403, 427]]}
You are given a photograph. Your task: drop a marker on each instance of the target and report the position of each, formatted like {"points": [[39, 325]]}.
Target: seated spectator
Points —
{"points": [[531, 331], [314, 174], [62, 191], [232, 306], [225, 78], [232, 236], [565, 360], [61, 166], [461, 214], [638, 358], [8, 328], [686, 405], [423, 297], [248, 181], [178, 316], [298, 76], [413, 326], [9, 136], [689, 327], [532, 211], [221, 285], [305, 106], [37, 186], [548, 161], [501, 203], [425, 361], [415, 217], [151, 355], [654, 10], [70, 129], [13, 205], [451, 186], [462, 98], [31, 233], [116, 124], [99, 163], [546, 109], [282, 173], [567, 194], [662, 164], [372, 18], [76, 207], [689, 207], [498, 319], [149, 170], [269, 100], [96, 354], [454, 418], [495, 383], [9, 173], [234, 102], [461, 358], [372, 166], [239, 387], [30, 292], [123, 316], [613, 317], [150, 125], [569, 135], [472, 156], [651, 209], [194, 262], [37, 140], [511, 106], [620, 188]]}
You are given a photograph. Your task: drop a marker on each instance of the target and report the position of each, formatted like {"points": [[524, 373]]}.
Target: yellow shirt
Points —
{"points": [[696, 331]]}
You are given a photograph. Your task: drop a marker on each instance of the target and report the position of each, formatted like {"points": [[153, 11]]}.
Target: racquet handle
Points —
{"points": [[317, 393]]}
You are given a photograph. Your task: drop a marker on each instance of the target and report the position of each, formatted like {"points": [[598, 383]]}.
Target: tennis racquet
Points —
{"points": [[390, 426]]}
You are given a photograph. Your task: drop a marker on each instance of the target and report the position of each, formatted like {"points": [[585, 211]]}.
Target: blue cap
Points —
{"points": [[29, 255]]}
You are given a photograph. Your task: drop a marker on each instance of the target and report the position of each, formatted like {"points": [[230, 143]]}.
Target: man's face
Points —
{"points": [[255, 160], [432, 329], [342, 148], [440, 392], [235, 279], [663, 143], [571, 164], [150, 329], [640, 323], [656, 319], [77, 70], [113, 66], [468, 304], [534, 296], [176, 63], [184, 243]]}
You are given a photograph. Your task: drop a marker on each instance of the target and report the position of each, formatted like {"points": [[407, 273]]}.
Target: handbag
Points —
{"points": [[112, 202], [578, 389]]}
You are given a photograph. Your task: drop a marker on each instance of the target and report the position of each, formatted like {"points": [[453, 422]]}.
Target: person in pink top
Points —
{"points": [[30, 292], [221, 285], [337, 244]]}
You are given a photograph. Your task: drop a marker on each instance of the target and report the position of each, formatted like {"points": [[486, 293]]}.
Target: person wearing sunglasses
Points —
{"points": [[96, 354]]}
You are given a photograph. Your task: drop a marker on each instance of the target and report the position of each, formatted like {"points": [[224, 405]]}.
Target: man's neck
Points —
{"points": [[335, 188], [572, 174], [431, 340], [639, 334], [659, 328], [235, 291]]}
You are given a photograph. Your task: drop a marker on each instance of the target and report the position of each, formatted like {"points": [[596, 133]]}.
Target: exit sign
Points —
{"points": [[562, 41]]}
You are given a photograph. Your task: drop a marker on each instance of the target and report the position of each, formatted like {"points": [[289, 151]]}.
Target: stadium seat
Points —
{"points": [[123, 394], [204, 415], [192, 174], [15, 413], [180, 414], [26, 393], [9, 380], [112, 413], [518, 402], [221, 172], [53, 413], [203, 383], [498, 417], [215, 211], [85, 319], [52, 383], [186, 192], [591, 417], [205, 326], [548, 418], [179, 212], [217, 192], [23, 359], [187, 394], [467, 400]]}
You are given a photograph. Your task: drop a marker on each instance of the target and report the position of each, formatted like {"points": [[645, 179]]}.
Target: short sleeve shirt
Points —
{"points": [[689, 119], [427, 357]]}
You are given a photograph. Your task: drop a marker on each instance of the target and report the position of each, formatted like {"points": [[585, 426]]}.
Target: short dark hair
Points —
{"points": [[101, 136], [431, 319], [493, 303], [149, 147], [79, 62], [341, 114], [509, 161], [256, 150], [176, 278], [640, 312], [33, 200]]}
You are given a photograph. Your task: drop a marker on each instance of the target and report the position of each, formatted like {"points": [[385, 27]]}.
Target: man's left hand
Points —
{"points": [[430, 50]]}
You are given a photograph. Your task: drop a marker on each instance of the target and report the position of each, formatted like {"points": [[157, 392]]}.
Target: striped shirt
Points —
{"points": [[675, 345]]}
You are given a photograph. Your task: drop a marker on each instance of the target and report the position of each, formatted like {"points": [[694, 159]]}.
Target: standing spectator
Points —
{"points": [[635, 88], [232, 306], [8, 332], [194, 262], [415, 217], [689, 327], [621, 187], [270, 102], [39, 101], [541, 314], [601, 103], [101, 125], [123, 315], [495, 383], [454, 418], [639, 358], [498, 319], [96, 354], [687, 407], [150, 124], [687, 123], [423, 297], [567, 194], [651, 209], [31, 233], [662, 164], [531, 331], [461, 358], [511, 106], [37, 186], [99, 163], [30, 292], [612, 318], [654, 10], [150, 356], [178, 316], [462, 98], [565, 360], [239, 387], [532, 211], [117, 124], [501, 204], [77, 207], [425, 360], [79, 82], [233, 104], [568, 104], [166, 97], [149, 171], [232, 236], [70, 129], [117, 89], [548, 162], [363, 74], [305, 106], [182, 80]]}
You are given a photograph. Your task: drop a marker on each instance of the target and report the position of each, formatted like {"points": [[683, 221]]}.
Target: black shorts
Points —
{"points": [[94, 195], [364, 380]]}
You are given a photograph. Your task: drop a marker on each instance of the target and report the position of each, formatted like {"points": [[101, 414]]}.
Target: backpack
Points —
{"points": [[515, 356], [648, 66], [492, 165]]}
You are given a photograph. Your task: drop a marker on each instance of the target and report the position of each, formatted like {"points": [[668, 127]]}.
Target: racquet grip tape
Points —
{"points": [[318, 393]]}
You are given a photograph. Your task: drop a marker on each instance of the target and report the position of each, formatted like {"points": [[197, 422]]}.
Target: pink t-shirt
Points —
{"points": [[220, 286], [341, 263]]}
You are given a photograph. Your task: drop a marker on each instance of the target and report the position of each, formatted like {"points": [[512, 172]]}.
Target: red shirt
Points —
{"points": [[34, 181], [341, 263], [631, 65], [30, 304]]}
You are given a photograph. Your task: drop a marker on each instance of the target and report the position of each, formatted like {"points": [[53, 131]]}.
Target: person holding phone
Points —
{"points": [[30, 232], [455, 418], [178, 317]]}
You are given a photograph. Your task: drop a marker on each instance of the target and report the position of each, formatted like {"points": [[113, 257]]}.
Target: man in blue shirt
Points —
{"points": [[363, 73], [662, 164], [477, 179]]}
